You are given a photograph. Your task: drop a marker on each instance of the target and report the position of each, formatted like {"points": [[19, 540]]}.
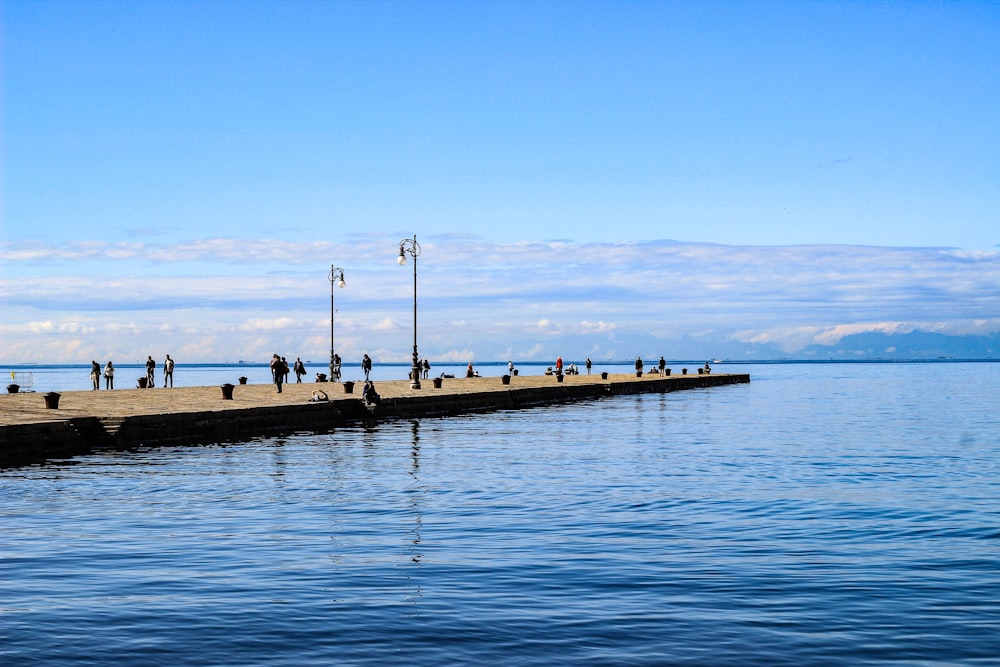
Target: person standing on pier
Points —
{"points": [[559, 365], [427, 368], [589, 364], [366, 365], [279, 369], [300, 370], [168, 372], [510, 367], [95, 374], [150, 372], [663, 366], [109, 376], [638, 365]]}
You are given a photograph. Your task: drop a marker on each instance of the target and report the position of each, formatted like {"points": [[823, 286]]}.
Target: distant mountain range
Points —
{"points": [[876, 345], [917, 345], [914, 345]]}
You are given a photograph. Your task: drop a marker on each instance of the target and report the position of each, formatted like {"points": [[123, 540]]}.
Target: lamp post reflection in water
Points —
{"points": [[413, 248], [336, 280]]}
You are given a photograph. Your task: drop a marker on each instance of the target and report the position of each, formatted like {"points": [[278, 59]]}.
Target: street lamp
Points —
{"points": [[336, 279], [411, 246]]}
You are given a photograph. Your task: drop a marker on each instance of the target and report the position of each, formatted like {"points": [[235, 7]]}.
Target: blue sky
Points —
{"points": [[586, 178]]}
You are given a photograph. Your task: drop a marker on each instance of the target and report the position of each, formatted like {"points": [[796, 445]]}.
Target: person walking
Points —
{"points": [[663, 366], [638, 365], [366, 365], [150, 372], [300, 370], [95, 374], [109, 375], [278, 371], [168, 372]]}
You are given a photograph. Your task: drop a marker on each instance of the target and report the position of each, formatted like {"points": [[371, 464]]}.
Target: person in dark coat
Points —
{"points": [[279, 369]]}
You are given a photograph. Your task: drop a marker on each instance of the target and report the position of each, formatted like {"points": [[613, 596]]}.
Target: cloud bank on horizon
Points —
{"points": [[180, 177], [218, 300]]}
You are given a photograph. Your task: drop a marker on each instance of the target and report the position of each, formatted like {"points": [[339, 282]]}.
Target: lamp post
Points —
{"points": [[411, 246], [336, 280]]}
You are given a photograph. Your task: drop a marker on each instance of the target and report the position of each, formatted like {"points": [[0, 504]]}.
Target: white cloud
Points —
{"points": [[226, 298]]}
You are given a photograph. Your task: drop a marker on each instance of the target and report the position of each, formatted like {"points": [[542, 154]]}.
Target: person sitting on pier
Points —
{"points": [[708, 369], [469, 372], [369, 394]]}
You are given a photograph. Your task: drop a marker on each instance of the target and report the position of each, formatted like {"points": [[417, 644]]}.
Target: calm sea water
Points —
{"points": [[823, 514]]}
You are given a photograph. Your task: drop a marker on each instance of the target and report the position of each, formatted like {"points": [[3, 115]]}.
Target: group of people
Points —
{"points": [[280, 370], [168, 372], [150, 380], [109, 375], [660, 368], [560, 369]]}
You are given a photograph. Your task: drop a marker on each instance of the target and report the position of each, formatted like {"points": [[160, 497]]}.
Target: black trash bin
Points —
{"points": [[348, 387], [13, 388], [437, 382], [227, 391], [52, 400], [141, 382], [604, 375], [559, 377], [243, 379], [505, 379]]}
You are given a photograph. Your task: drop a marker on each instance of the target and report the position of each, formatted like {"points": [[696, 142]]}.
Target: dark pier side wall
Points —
{"points": [[21, 444]]}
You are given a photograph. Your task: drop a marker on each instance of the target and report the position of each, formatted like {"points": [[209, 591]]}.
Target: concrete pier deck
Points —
{"points": [[87, 421]]}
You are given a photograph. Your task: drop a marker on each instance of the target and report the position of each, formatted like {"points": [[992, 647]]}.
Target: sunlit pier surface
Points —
{"points": [[39, 426]]}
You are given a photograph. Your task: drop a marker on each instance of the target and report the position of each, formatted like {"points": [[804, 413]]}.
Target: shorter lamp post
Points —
{"points": [[336, 280], [411, 246]]}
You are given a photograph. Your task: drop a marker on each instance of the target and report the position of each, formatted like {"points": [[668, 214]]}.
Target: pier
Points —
{"points": [[35, 427]]}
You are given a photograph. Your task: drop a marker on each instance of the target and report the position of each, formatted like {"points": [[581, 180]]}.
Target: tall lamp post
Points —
{"points": [[411, 246], [336, 280]]}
